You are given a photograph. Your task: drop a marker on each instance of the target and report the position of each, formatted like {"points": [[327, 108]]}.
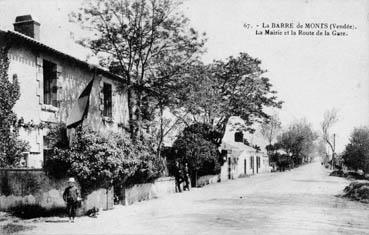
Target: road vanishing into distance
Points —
{"points": [[300, 201]]}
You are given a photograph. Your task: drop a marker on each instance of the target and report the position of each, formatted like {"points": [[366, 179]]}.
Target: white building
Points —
{"points": [[242, 159], [50, 83]]}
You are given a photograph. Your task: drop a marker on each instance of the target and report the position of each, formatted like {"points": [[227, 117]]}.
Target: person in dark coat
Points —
{"points": [[186, 176], [178, 176], [71, 196]]}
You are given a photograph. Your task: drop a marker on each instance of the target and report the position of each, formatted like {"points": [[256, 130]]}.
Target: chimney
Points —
{"points": [[27, 26]]}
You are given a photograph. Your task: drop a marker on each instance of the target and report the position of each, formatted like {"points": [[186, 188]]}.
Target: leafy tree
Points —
{"points": [[149, 167], [235, 87], [148, 43], [298, 140], [11, 148], [195, 148], [356, 154]]}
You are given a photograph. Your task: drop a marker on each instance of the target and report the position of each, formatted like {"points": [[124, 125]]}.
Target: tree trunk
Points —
{"points": [[196, 179], [221, 127], [131, 114], [161, 133], [135, 114]]}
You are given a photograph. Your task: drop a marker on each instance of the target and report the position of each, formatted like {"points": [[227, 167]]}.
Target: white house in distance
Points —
{"points": [[50, 84], [242, 159]]}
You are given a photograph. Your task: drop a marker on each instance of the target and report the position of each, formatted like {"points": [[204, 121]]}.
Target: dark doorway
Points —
{"points": [[244, 166], [229, 168]]}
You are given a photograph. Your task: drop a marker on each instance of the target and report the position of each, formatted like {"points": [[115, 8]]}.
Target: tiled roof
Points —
{"points": [[42, 46], [238, 146]]}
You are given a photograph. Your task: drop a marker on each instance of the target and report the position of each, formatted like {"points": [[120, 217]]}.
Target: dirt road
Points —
{"points": [[301, 201]]}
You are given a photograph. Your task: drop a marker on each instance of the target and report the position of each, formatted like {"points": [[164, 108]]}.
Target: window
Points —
{"points": [[50, 87], [238, 136], [107, 112]]}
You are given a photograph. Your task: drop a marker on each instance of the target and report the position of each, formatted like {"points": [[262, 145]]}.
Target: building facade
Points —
{"points": [[50, 83], [241, 159]]}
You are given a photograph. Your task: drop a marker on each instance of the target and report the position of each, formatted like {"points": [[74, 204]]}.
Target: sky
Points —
{"points": [[311, 74]]}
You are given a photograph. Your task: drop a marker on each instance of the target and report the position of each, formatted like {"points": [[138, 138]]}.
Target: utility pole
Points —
{"points": [[334, 150]]}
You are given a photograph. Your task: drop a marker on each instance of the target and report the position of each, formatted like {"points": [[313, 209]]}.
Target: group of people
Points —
{"points": [[181, 175]]}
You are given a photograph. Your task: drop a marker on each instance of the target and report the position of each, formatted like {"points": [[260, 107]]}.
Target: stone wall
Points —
{"points": [[33, 187], [100, 198], [207, 179], [141, 192]]}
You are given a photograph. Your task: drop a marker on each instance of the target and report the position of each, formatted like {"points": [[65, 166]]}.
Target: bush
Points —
{"points": [[354, 175], [282, 161], [148, 166], [349, 175], [102, 160], [337, 173], [356, 154], [358, 191]]}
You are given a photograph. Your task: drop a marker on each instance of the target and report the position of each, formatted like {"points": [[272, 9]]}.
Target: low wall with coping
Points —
{"points": [[100, 198], [141, 192], [33, 187], [207, 179]]}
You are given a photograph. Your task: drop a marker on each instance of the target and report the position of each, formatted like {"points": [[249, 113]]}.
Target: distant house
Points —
{"points": [[242, 159], [51, 82]]}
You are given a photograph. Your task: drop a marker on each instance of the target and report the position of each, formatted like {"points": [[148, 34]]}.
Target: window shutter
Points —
{"points": [[39, 79], [101, 95], [58, 85]]}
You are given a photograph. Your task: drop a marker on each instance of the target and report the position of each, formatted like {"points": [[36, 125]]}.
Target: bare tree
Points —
{"points": [[270, 128], [330, 118], [166, 127]]}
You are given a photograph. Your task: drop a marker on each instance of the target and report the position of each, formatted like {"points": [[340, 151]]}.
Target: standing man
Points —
{"points": [[186, 175], [178, 176], [71, 196]]}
